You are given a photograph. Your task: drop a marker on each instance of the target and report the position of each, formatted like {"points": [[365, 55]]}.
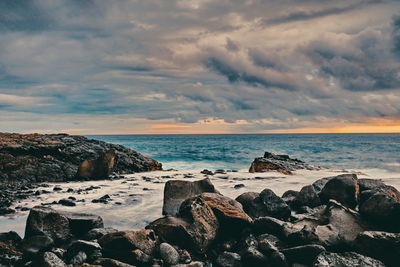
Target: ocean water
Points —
{"points": [[237, 151]]}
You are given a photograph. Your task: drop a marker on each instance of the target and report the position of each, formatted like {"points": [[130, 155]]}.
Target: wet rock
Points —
{"points": [[348, 259], [268, 204], [97, 233], [342, 188], [277, 259], [229, 259], [126, 241], [169, 254], [380, 245], [104, 199], [106, 262], [289, 196], [252, 257], [60, 226], [269, 225], [281, 163], [382, 207], [229, 212], [99, 168], [51, 260], [205, 171], [83, 245], [238, 186], [5, 211], [246, 199], [307, 197], [67, 202], [303, 254], [176, 191], [78, 258], [10, 252], [35, 244], [57, 188], [369, 184], [274, 242], [195, 229]]}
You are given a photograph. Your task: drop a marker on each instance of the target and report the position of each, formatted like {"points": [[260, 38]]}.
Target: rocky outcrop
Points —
{"points": [[177, 191], [57, 157], [348, 259], [280, 163]]}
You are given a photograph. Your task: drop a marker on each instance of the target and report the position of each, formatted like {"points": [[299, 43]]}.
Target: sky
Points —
{"points": [[199, 66]]}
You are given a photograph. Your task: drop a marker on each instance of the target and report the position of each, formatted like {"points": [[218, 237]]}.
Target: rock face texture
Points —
{"points": [[280, 163], [57, 157]]}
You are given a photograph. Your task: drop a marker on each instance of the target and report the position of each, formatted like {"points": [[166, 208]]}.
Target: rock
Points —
{"points": [[274, 242], [382, 207], [303, 254], [35, 244], [51, 260], [99, 168], [138, 257], [267, 204], [57, 188], [278, 259], [252, 257], [83, 245], [145, 240], [342, 188], [205, 171], [67, 202], [169, 254], [369, 184], [281, 163], [195, 228], [307, 197], [238, 186], [60, 226], [106, 262], [10, 252], [229, 212], [229, 259], [30, 158], [348, 259], [177, 191], [320, 183], [97, 233], [246, 199], [269, 225], [380, 245], [78, 258], [289, 196]]}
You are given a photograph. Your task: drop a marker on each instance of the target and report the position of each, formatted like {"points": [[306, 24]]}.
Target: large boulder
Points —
{"points": [[196, 227], [342, 188], [129, 246], [380, 245], [348, 259], [307, 197], [58, 225], [280, 163], [177, 191], [99, 168], [57, 157], [303, 254], [267, 203], [382, 207]]}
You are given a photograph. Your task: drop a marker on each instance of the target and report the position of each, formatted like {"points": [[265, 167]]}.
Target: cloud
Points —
{"points": [[254, 65]]}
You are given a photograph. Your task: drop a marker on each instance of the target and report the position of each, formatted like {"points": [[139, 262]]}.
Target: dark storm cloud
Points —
{"points": [[190, 60]]}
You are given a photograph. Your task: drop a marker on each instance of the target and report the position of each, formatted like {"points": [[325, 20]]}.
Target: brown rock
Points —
{"points": [[99, 168]]}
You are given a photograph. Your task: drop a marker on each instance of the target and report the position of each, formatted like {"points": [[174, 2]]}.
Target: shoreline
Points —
{"points": [[140, 195]]}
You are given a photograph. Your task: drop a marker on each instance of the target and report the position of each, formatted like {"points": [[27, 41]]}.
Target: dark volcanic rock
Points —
{"points": [[342, 188], [307, 197], [58, 225], [382, 207], [380, 245], [369, 184], [177, 191], [265, 204], [281, 163], [10, 251], [51, 260], [303, 254], [56, 157], [348, 259], [99, 168]]}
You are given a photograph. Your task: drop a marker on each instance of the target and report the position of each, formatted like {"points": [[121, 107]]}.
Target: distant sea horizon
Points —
{"points": [[355, 151]]}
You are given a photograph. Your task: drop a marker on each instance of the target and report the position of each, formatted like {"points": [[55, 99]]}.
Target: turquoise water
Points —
{"points": [[236, 151]]}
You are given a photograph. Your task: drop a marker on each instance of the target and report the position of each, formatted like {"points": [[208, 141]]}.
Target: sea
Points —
{"points": [[237, 151], [136, 199]]}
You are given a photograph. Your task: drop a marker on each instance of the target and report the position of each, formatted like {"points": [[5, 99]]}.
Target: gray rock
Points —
{"points": [[78, 258], [106, 262], [307, 197], [51, 260], [67, 202], [342, 188], [177, 191], [35, 244], [269, 204], [303, 254], [229, 259], [369, 184], [252, 257], [97, 233], [380, 245], [348, 259], [169, 254]]}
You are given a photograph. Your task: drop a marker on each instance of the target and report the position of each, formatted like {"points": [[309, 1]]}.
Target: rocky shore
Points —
{"points": [[336, 221], [26, 159]]}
